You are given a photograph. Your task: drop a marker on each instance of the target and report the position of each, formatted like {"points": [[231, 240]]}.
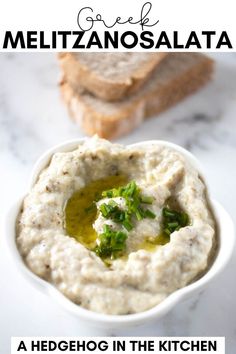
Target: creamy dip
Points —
{"points": [[59, 226]]}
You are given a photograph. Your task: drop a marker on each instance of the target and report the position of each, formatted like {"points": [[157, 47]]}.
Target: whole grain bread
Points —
{"points": [[179, 75], [110, 76]]}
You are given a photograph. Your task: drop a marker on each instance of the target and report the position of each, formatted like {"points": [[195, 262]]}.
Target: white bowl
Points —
{"points": [[225, 248]]}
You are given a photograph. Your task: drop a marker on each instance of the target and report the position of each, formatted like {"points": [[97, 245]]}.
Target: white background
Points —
{"points": [[132, 345], [182, 15], [33, 118]]}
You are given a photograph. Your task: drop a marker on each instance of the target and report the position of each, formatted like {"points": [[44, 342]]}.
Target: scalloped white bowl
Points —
{"points": [[225, 248]]}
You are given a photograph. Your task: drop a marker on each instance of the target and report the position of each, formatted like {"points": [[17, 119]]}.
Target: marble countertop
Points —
{"points": [[32, 119]]}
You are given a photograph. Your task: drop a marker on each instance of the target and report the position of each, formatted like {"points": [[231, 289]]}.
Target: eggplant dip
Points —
{"points": [[117, 229]]}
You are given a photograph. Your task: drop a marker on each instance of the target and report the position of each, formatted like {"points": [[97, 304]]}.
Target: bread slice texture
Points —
{"points": [[179, 75], [110, 76]]}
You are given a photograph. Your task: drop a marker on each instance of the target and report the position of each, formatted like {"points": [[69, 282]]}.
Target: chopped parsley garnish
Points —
{"points": [[173, 220], [111, 243]]}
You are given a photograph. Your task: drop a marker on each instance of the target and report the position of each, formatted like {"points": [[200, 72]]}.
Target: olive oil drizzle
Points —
{"points": [[81, 212], [150, 244]]}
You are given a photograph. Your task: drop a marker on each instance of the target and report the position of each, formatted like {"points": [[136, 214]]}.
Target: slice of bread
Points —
{"points": [[110, 76], [179, 75]]}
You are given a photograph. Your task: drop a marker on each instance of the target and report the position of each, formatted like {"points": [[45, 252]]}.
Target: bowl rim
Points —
{"points": [[221, 259]]}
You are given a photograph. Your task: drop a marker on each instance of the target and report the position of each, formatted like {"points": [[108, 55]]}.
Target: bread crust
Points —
{"points": [[151, 100], [93, 122], [78, 73]]}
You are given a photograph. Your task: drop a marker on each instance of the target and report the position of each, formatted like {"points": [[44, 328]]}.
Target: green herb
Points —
{"points": [[133, 198], [127, 191], [111, 243], [147, 200], [113, 212], [139, 213], [104, 210], [90, 208], [127, 224], [149, 214], [173, 220]]}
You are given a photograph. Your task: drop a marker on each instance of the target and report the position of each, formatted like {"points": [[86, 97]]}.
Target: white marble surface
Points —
{"points": [[32, 118]]}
